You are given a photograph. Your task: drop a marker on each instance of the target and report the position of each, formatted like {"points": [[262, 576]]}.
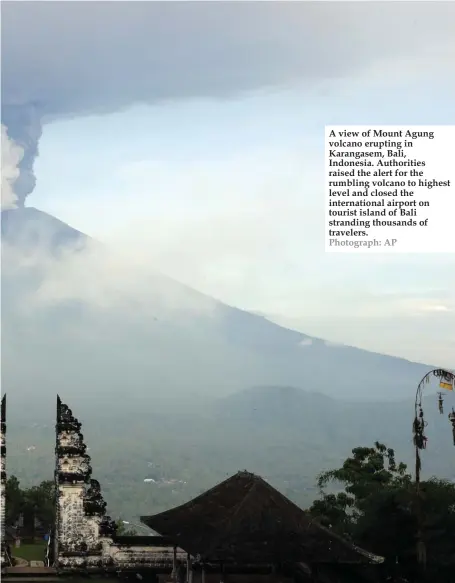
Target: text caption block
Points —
{"points": [[390, 189]]}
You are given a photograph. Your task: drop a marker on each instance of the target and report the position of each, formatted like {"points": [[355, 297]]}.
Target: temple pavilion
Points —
{"points": [[243, 529]]}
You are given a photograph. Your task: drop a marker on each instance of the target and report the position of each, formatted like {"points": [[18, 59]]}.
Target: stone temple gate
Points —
{"points": [[84, 538], [3, 477], [240, 528]]}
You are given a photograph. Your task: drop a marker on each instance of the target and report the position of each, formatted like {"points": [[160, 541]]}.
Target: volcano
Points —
{"points": [[28, 228], [108, 345]]}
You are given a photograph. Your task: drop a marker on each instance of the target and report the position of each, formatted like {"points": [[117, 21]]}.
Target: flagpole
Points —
{"points": [[446, 382]]}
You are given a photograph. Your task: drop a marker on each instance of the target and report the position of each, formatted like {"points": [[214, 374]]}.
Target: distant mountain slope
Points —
{"points": [[295, 416], [285, 434], [160, 338], [28, 227]]}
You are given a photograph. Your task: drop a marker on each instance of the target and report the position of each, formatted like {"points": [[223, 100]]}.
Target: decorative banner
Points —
{"points": [[446, 385]]}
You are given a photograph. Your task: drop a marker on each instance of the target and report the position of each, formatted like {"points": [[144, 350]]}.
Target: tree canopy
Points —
{"points": [[370, 499], [39, 502], [376, 508]]}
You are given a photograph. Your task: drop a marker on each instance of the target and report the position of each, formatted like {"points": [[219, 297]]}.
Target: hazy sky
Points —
{"points": [[216, 178]]}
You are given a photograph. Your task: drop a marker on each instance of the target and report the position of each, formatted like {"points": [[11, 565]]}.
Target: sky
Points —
{"points": [[196, 144]]}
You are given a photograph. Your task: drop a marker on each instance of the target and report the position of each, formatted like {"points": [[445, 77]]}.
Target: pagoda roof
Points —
{"points": [[245, 520]]}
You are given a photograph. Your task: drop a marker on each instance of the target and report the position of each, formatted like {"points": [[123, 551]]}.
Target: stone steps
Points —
{"points": [[28, 572]]}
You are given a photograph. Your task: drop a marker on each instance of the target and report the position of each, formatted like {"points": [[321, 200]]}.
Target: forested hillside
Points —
{"points": [[286, 435]]}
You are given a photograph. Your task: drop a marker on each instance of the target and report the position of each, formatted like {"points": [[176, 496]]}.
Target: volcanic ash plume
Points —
{"points": [[12, 155], [21, 131]]}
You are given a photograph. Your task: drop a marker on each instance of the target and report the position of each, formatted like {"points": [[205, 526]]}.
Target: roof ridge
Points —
{"points": [[200, 497], [231, 507], [224, 534], [311, 522], [329, 532]]}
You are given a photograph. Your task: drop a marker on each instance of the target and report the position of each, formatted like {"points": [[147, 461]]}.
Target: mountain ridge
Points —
{"points": [[140, 342], [27, 227], [289, 445]]}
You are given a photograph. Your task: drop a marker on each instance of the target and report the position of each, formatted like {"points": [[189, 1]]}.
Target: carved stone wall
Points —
{"points": [[3, 478], [84, 535], [76, 531], [117, 557], [81, 525]]}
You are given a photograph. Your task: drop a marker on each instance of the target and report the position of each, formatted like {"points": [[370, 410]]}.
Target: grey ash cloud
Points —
{"points": [[65, 59]]}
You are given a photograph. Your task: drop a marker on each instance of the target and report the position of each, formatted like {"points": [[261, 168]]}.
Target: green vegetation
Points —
{"points": [[377, 509], [374, 506], [38, 502], [286, 436], [34, 502], [299, 441], [30, 552], [125, 530]]}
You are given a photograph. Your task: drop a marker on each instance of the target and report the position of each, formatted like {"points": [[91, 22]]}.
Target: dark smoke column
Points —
{"points": [[23, 126]]}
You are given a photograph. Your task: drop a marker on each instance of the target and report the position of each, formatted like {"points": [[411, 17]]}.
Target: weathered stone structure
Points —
{"points": [[3, 479], [5, 557], [85, 537], [79, 505], [242, 529]]}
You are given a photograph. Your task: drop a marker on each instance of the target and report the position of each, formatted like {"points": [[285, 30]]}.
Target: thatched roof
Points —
{"points": [[246, 520]]}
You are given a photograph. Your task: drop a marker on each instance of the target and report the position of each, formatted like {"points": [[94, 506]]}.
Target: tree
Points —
{"points": [[40, 501], [377, 510], [35, 502], [122, 529], [14, 501]]}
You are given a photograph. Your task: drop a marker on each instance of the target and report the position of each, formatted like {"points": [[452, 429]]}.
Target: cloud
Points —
{"points": [[11, 157], [436, 308], [77, 58], [417, 324], [74, 57], [99, 280], [101, 323], [414, 303], [68, 59], [330, 344]]}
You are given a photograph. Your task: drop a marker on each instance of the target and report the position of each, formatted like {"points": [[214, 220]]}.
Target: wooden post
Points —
{"points": [[203, 574], [174, 575], [189, 569]]}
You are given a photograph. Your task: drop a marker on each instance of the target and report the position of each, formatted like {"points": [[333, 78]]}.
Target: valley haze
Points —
{"points": [[77, 316], [185, 377]]}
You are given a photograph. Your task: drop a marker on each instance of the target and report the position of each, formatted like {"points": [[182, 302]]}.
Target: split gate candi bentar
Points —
{"points": [[242, 529]]}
